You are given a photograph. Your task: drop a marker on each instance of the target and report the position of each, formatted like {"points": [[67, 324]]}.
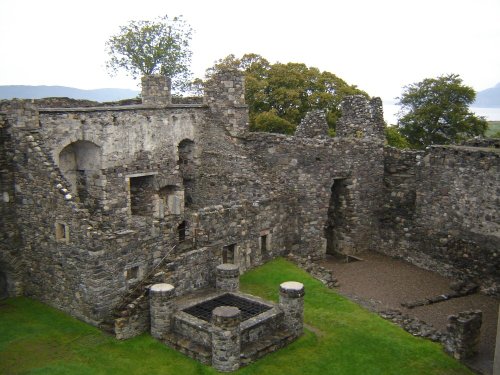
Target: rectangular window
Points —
{"points": [[142, 193], [228, 253], [263, 244], [132, 273], [265, 241], [62, 232]]}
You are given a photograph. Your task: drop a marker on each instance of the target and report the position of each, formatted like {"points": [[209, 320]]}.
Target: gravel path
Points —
{"points": [[379, 283]]}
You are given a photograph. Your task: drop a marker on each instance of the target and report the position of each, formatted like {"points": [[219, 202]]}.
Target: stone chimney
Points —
{"points": [[156, 90]]}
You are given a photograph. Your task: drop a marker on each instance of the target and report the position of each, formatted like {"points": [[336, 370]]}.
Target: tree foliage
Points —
{"points": [[279, 95], [436, 111], [395, 139], [153, 47]]}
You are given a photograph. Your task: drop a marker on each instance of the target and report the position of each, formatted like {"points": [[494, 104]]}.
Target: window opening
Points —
{"points": [[62, 232], [228, 253], [181, 230], [263, 243], [141, 195], [132, 273]]}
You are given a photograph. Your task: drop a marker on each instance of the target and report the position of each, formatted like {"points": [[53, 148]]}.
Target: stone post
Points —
{"points": [[227, 278], [156, 90], [161, 308], [226, 338], [291, 301], [463, 334]]}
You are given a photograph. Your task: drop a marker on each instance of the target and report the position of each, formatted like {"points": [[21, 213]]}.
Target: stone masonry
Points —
{"points": [[291, 301], [463, 333], [98, 202], [226, 344]]}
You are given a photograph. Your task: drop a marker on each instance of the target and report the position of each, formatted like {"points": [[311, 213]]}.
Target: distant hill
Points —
{"points": [[489, 98], [38, 92]]}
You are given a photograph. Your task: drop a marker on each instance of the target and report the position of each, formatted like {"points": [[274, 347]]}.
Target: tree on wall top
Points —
{"points": [[436, 111], [153, 47], [279, 95]]}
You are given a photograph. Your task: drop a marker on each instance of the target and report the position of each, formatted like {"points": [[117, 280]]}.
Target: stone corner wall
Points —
{"points": [[361, 118], [156, 90], [439, 211], [313, 125]]}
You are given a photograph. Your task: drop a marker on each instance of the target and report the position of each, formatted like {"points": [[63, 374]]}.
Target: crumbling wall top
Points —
{"points": [[314, 125], [361, 118], [226, 88]]}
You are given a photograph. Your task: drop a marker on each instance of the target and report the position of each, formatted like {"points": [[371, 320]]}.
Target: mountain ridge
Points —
{"points": [[46, 91], [488, 98]]}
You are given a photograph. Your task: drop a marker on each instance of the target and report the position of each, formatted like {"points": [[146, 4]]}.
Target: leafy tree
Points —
{"points": [[286, 91], [436, 111], [394, 138], [270, 122], [153, 47]]}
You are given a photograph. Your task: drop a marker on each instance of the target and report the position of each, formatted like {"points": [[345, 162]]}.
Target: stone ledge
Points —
{"points": [[265, 345], [188, 347]]}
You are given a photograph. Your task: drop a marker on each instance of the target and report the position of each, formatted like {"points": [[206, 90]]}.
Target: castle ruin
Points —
{"points": [[100, 202]]}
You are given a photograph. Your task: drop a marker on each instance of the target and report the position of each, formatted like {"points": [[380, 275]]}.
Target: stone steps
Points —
{"points": [[188, 347], [276, 340]]}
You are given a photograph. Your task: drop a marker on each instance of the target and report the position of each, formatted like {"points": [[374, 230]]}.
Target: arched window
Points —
{"points": [[78, 161]]}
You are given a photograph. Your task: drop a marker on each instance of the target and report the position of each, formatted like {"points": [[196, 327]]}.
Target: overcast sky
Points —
{"points": [[378, 45]]}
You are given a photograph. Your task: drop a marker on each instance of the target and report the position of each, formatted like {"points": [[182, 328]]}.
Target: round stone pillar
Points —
{"points": [[226, 338], [227, 277], [161, 308], [291, 301]]}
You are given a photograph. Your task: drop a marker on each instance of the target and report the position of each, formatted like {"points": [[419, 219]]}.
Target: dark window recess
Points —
{"points": [[186, 168], [181, 230], [141, 195], [61, 232], [133, 273], [263, 243], [228, 253]]}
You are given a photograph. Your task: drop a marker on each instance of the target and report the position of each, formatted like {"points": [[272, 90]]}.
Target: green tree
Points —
{"points": [[153, 47], [395, 139], [286, 91], [436, 111], [270, 122]]}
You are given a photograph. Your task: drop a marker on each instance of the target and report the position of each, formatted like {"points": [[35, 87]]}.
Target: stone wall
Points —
{"points": [[96, 200], [400, 188], [11, 260], [441, 211], [307, 169]]}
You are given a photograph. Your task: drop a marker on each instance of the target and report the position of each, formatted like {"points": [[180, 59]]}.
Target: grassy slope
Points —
{"points": [[343, 339], [493, 127]]}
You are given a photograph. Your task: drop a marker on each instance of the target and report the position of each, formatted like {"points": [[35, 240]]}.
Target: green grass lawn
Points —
{"points": [[493, 128], [342, 339]]}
